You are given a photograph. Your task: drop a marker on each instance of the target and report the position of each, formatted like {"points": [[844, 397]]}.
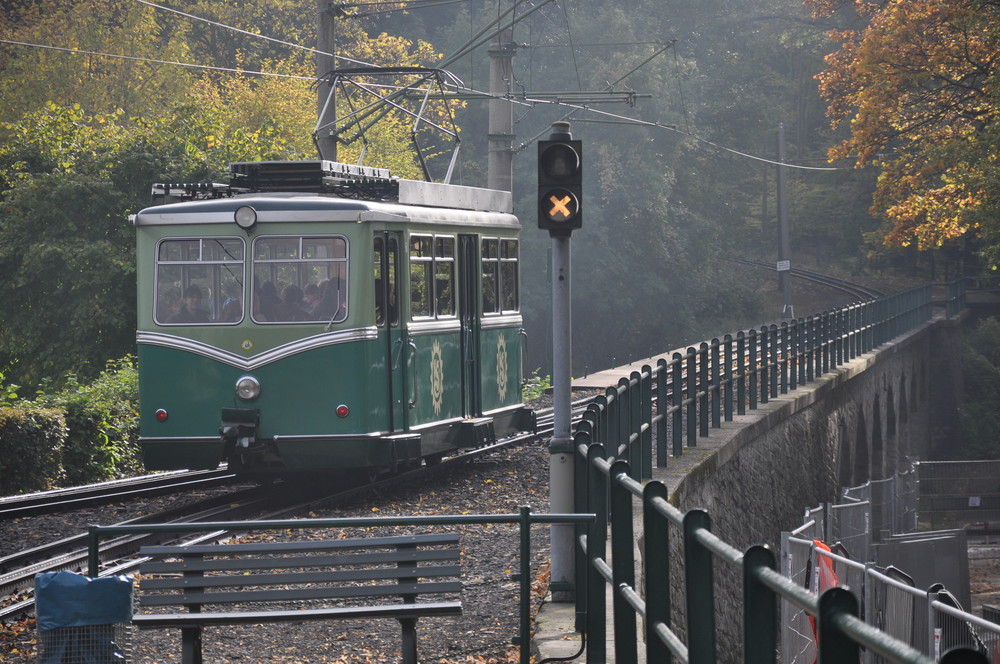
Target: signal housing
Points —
{"points": [[560, 182]]}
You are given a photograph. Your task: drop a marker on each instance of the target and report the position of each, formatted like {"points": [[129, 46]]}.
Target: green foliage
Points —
{"points": [[102, 419], [8, 392], [31, 444], [980, 414], [535, 386]]}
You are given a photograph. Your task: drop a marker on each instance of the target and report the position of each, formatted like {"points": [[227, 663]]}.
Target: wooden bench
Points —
{"points": [[248, 584]]}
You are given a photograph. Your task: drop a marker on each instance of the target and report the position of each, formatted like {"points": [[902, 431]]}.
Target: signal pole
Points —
{"points": [[560, 212]]}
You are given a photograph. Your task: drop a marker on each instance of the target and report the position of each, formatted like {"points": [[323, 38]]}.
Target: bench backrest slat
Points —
{"points": [[189, 582], [291, 594], [444, 539], [197, 564]]}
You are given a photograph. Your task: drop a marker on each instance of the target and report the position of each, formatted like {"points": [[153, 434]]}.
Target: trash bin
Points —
{"points": [[82, 620]]}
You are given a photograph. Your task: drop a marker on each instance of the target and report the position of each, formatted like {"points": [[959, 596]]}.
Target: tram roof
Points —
{"points": [[319, 190], [304, 207]]}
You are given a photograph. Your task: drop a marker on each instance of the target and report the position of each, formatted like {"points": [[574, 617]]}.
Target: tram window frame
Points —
{"points": [[378, 247], [500, 263], [433, 278], [295, 267], [203, 269]]}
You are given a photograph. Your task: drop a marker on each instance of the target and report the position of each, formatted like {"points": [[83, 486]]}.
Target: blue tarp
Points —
{"points": [[66, 599]]}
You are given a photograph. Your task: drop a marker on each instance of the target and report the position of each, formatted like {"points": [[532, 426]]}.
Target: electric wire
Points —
{"points": [[251, 34], [231, 70]]}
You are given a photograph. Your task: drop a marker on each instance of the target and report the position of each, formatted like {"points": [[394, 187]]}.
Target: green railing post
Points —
{"points": [[622, 563], [633, 388], [93, 552], [524, 624], [741, 372], [663, 407], [581, 499], [597, 534], [656, 557], [727, 377], [677, 382], [715, 380], [703, 389], [645, 410], [783, 356], [794, 351], [836, 647], [699, 590], [692, 396], [809, 347], [765, 364], [760, 608]]}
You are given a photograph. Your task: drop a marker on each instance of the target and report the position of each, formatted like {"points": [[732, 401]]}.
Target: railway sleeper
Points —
{"points": [[246, 584]]}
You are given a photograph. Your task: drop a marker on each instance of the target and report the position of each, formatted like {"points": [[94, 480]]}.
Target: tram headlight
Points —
{"points": [[245, 217], [248, 388]]}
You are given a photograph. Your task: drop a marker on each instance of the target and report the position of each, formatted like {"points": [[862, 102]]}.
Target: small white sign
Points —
{"points": [[784, 266], [975, 501]]}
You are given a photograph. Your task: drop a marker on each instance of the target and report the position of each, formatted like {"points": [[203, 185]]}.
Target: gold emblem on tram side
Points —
{"points": [[247, 344], [437, 378], [502, 367]]}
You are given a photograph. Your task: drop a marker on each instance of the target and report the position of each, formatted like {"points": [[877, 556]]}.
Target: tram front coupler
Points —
{"points": [[239, 429]]}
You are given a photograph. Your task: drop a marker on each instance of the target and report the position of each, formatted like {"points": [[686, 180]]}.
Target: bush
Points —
{"points": [[32, 439], [102, 419]]}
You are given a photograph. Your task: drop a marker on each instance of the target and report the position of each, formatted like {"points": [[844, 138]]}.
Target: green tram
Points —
{"points": [[318, 317]]}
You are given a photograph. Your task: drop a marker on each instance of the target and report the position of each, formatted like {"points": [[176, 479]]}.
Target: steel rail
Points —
{"points": [[45, 502]]}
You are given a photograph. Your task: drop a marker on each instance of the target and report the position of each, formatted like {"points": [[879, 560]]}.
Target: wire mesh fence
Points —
{"points": [[88, 644]]}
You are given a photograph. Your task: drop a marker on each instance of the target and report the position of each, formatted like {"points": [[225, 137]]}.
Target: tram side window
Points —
{"points": [[387, 290], [432, 276], [508, 275], [199, 281], [299, 279], [500, 274]]}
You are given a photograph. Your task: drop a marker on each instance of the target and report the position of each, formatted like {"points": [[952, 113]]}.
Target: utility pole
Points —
{"points": [[500, 163], [326, 109], [784, 246]]}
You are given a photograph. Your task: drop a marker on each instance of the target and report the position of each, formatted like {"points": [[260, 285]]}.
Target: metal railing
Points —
{"points": [[614, 450], [837, 628], [699, 389], [524, 519]]}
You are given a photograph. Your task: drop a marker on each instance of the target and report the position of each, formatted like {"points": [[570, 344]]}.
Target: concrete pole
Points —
{"points": [[500, 162], [784, 247], [561, 445], [326, 110]]}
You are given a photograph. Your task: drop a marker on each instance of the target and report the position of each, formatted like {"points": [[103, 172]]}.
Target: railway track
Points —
{"points": [[277, 501], [46, 502], [853, 289]]}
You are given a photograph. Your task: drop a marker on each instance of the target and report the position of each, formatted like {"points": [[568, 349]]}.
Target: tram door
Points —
{"points": [[468, 285], [386, 253]]}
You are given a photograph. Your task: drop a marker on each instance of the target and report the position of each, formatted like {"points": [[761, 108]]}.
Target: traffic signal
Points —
{"points": [[560, 182]]}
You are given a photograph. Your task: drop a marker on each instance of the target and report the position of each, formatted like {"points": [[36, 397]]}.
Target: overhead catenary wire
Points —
{"points": [[230, 70], [250, 34], [470, 45]]}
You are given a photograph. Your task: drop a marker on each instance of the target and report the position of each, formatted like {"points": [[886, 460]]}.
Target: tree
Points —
{"points": [[918, 81]]}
